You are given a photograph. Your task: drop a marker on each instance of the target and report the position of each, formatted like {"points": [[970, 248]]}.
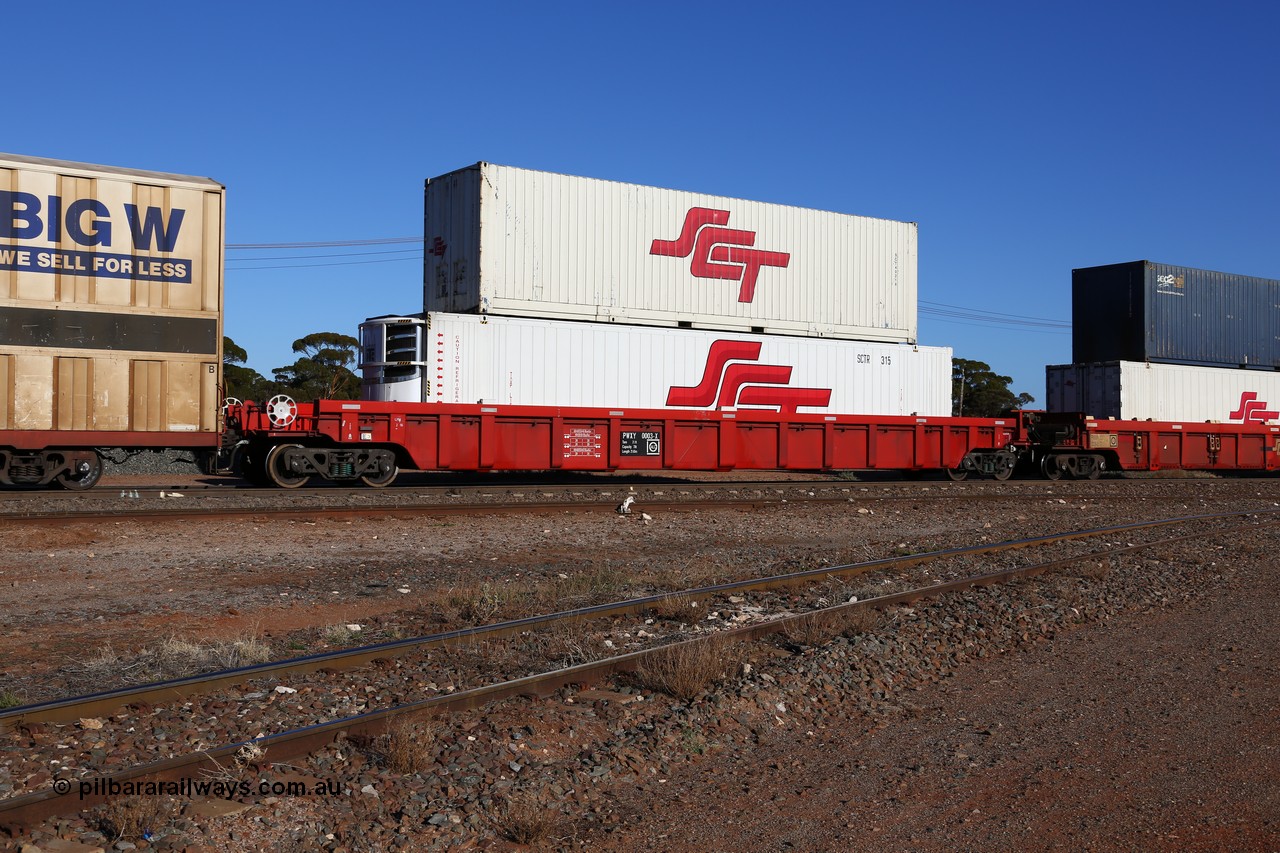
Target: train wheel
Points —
{"points": [[958, 474], [383, 478], [85, 473], [1004, 472], [1094, 473], [276, 470], [1050, 467]]}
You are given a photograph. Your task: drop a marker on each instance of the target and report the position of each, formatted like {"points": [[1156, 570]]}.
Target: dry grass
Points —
{"points": [[409, 746], [489, 601], [525, 819], [561, 644], [105, 662], [175, 653], [821, 626], [697, 570], [486, 602], [339, 635], [677, 607], [685, 670], [174, 657], [132, 817], [884, 587], [231, 775], [9, 699], [580, 589]]}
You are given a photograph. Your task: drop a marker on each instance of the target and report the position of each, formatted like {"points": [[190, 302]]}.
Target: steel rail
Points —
{"points": [[235, 486], [106, 702], [27, 809], [203, 491], [685, 503], [332, 511]]}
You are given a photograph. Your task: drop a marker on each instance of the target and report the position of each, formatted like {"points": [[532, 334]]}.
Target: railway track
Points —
{"points": [[784, 612], [221, 503], [498, 486]]}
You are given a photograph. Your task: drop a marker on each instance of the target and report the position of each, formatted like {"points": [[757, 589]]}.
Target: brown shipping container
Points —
{"points": [[110, 304]]}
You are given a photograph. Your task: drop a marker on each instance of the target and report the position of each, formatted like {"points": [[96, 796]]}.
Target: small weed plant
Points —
{"points": [[678, 607], [408, 746], [685, 670], [821, 626], [133, 817], [524, 819]]}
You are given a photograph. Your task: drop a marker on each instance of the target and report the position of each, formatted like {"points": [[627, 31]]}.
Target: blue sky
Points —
{"points": [[1025, 139]]}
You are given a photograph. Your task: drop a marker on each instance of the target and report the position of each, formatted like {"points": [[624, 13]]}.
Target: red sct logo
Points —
{"points": [[720, 252], [1252, 410], [732, 378]]}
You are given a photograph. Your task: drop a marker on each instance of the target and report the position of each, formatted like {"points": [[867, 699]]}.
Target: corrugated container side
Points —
{"points": [[1146, 311], [110, 298], [527, 361], [1129, 390], [517, 242]]}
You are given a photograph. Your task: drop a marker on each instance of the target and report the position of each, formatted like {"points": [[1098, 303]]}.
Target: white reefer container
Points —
{"points": [[1135, 390], [468, 358], [501, 240]]}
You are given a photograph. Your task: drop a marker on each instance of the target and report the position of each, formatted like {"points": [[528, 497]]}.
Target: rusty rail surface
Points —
{"points": [[601, 499], [106, 702], [27, 809]]}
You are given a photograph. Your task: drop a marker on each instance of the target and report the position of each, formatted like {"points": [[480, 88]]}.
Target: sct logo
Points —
{"points": [[745, 383], [720, 252], [1252, 410]]}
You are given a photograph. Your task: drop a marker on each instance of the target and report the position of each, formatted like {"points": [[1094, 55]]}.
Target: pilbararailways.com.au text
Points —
{"points": [[220, 788]]}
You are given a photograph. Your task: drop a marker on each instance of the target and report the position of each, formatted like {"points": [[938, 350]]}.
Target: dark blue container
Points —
{"points": [[1144, 311]]}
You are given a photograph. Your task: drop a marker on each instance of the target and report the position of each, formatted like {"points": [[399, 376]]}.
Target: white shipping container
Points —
{"points": [[526, 361], [501, 240], [1134, 390]]}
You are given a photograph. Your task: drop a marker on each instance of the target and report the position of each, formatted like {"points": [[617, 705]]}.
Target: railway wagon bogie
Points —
{"points": [[292, 465], [70, 468], [998, 463]]}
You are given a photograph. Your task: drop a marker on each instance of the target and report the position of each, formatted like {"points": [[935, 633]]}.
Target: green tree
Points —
{"points": [[979, 392], [237, 380], [324, 370]]}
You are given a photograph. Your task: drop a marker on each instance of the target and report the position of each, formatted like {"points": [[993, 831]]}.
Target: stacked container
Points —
{"points": [[1160, 342], [516, 242], [472, 358], [547, 289]]}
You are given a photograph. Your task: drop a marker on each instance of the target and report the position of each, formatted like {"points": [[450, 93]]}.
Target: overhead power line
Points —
{"points": [[324, 244], [948, 313], [993, 313], [334, 255], [956, 313], [330, 264]]}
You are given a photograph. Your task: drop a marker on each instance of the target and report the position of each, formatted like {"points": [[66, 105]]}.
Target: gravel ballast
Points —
{"points": [[1129, 707]]}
